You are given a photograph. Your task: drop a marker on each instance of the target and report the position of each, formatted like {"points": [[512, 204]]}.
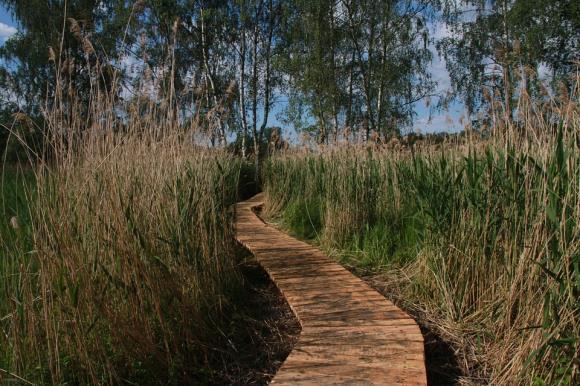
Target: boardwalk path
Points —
{"points": [[350, 334]]}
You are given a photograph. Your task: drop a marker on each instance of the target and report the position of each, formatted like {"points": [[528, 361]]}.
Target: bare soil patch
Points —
{"points": [[263, 330]]}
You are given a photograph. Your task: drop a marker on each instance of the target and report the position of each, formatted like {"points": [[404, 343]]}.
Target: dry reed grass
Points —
{"points": [[482, 238], [128, 269]]}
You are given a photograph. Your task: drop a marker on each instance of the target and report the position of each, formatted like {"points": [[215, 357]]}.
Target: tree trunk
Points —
{"points": [[506, 68], [350, 94], [255, 90], [364, 69], [241, 90], [381, 88], [334, 80], [209, 81], [267, 87]]}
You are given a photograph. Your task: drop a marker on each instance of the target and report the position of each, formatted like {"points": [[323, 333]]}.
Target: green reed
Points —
{"points": [[488, 238]]}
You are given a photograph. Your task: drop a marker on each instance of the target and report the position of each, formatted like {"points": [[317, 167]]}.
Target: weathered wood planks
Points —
{"points": [[351, 334]]}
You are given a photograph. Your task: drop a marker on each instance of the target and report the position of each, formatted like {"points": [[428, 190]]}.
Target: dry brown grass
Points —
{"points": [[481, 239], [132, 268]]}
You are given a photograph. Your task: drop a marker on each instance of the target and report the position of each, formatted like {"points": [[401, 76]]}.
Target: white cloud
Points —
{"points": [[438, 66], [440, 75], [449, 122], [6, 31]]}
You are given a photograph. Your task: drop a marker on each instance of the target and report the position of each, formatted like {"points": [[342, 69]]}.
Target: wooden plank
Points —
{"points": [[348, 305], [348, 375], [318, 280], [313, 271], [364, 336], [350, 334], [345, 287], [301, 297], [350, 315], [338, 297]]}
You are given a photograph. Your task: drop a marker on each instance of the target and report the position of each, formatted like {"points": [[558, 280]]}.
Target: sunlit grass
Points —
{"points": [[487, 239]]}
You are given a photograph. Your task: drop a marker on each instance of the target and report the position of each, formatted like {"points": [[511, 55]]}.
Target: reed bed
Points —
{"points": [[126, 272], [482, 239], [123, 268]]}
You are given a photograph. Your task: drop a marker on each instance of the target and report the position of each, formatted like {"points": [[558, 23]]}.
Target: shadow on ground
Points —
{"points": [[263, 330], [440, 359]]}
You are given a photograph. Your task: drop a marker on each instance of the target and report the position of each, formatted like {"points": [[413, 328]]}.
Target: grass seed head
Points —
{"points": [[14, 223]]}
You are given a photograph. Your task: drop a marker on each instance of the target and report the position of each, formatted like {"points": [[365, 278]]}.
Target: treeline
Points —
{"points": [[343, 68]]}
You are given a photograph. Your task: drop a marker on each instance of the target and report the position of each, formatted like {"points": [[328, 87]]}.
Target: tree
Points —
{"points": [[257, 24], [360, 64], [496, 43], [50, 33], [188, 43]]}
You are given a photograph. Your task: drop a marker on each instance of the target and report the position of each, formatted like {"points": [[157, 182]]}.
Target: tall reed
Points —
{"points": [[485, 237], [129, 270]]}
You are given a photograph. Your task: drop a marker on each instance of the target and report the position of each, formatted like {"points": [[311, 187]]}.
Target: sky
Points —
{"points": [[426, 121], [436, 121], [7, 25]]}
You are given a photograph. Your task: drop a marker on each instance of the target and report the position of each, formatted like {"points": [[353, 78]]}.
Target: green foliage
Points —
{"points": [[354, 65], [20, 136], [16, 194], [30, 56], [361, 64], [499, 45], [304, 218]]}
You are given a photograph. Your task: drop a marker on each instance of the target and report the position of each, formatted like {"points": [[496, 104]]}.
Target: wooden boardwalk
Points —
{"points": [[351, 334]]}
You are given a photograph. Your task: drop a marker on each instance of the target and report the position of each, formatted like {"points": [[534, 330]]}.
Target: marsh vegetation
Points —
{"points": [[128, 129], [479, 239]]}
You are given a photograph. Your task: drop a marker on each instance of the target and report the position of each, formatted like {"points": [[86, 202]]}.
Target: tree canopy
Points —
{"points": [[345, 67]]}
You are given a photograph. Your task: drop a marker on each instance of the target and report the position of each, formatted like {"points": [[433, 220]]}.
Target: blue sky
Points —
{"points": [[7, 25], [425, 121], [438, 120]]}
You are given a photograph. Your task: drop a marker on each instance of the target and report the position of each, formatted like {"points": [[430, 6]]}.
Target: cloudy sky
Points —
{"points": [[6, 31], [433, 121], [427, 121], [7, 25]]}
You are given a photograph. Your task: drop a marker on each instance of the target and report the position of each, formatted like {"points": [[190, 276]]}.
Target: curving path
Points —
{"points": [[351, 334]]}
